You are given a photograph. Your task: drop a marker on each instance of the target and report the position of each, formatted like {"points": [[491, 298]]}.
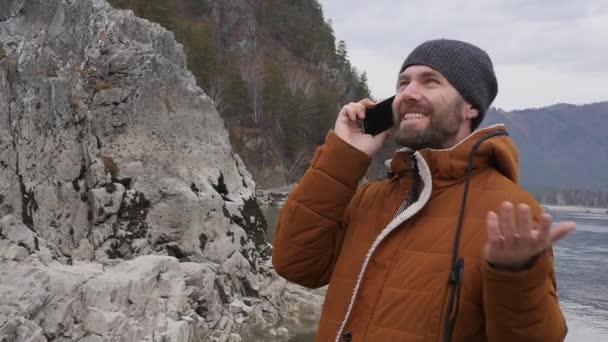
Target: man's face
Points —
{"points": [[428, 110]]}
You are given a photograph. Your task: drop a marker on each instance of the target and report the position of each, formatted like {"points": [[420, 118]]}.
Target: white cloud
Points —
{"points": [[537, 86], [544, 51]]}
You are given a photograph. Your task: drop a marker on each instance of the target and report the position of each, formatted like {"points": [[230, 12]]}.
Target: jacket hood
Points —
{"points": [[449, 166]]}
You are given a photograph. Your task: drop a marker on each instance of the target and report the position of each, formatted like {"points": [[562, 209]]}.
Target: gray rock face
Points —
{"points": [[124, 214]]}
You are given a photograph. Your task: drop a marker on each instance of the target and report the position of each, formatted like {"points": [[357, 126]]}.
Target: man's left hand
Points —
{"points": [[513, 244]]}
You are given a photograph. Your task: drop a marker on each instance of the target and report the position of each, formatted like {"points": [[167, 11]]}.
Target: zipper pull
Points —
{"points": [[413, 162], [457, 272]]}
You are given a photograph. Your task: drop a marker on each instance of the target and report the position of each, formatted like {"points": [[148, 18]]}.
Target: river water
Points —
{"points": [[582, 274]]}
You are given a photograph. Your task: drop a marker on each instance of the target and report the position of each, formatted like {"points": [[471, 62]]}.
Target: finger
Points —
{"points": [[351, 111], [494, 236], [382, 136], [344, 118], [507, 221], [562, 229], [525, 221], [544, 231], [344, 111], [367, 103], [360, 109]]}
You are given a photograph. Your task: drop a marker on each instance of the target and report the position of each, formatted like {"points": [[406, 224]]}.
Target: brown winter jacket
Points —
{"points": [[389, 274]]}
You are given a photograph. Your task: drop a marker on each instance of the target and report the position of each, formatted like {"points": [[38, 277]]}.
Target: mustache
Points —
{"points": [[415, 108]]}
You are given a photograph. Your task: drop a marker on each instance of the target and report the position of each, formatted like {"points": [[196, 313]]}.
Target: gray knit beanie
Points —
{"points": [[467, 67]]}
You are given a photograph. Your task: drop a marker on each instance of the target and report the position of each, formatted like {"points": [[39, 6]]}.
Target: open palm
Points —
{"points": [[513, 242]]}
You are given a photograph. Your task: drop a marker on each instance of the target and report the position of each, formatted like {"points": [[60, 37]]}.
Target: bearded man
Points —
{"points": [[450, 247]]}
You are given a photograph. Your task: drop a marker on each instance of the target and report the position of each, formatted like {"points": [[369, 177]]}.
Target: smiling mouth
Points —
{"points": [[413, 116]]}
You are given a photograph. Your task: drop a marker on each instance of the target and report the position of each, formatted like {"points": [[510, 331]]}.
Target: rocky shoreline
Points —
{"points": [[573, 208], [274, 197], [148, 298]]}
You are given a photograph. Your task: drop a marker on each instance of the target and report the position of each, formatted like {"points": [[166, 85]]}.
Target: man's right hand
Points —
{"points": [[349, 128]]}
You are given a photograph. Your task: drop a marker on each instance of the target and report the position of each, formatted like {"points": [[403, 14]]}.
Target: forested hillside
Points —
{"points": [[273, 69]]}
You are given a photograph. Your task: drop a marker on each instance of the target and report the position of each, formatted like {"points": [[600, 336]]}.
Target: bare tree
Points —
{"points": [[252, 73], [323, 61], [302, 157], [307, 87], [295, 81], [217, 93]]}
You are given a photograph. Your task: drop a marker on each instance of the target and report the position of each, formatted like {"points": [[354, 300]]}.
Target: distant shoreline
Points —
{"points": [[573, 208], [279, 199]]}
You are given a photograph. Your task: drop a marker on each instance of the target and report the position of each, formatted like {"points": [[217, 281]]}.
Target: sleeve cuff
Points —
{"points": [[341, 161], [536, 274]]}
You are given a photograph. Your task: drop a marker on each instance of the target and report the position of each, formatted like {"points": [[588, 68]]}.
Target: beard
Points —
{"points": [[443, 125]]}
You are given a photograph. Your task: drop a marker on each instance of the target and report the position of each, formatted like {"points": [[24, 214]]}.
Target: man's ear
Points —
{"points": [[470, 112]]}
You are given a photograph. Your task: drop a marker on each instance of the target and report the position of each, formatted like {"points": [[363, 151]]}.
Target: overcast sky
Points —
{"points": [[544, 51]]}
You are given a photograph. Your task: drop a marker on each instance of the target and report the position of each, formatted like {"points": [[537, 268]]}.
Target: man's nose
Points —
{"points": [[411, 92]]}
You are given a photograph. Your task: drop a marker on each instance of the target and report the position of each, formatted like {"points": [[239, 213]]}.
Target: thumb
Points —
{"points": [[382, 136], [561, 230], [367, 103]]}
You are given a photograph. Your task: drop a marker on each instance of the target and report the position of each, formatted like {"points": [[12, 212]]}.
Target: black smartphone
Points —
{"points": [[379, 118]]}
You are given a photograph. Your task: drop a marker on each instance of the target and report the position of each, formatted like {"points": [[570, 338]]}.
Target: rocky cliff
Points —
{"points": [[124, 213]]}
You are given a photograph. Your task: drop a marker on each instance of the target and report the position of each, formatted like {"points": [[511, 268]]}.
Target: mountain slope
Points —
{"points": [[561, 146]]}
